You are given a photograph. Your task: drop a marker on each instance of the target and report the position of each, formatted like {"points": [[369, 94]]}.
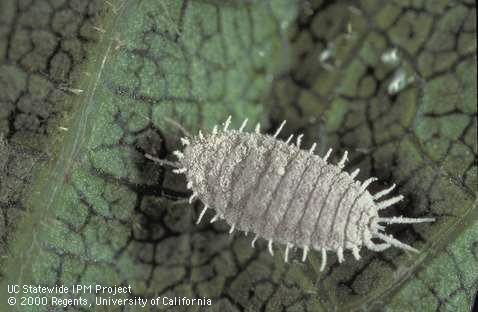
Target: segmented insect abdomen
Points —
{"points": [[276, 223], [257, 204], [245, 178], [288, 228], [282, 193], [317, 211], [316, 207], [329, 228]]}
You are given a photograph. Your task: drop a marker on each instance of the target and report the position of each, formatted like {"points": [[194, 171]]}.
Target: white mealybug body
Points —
{"points": [[284, 194]]}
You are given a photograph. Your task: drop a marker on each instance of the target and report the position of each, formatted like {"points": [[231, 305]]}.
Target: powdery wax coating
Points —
{"points": [[285, 194]]}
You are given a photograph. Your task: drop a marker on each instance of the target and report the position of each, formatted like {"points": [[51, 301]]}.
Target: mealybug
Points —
{"points": [[284, 194]]}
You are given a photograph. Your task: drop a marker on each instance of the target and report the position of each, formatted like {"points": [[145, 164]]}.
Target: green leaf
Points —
{"points": [[398, 90], [393, 84]]}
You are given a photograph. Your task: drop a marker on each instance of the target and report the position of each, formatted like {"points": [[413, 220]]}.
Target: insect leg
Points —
{"points": [[180, 170], [182, 201], [185, 141], [178, 154]]}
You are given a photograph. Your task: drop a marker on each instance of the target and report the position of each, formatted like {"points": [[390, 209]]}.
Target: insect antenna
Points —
{"points": [[177, 125], [162, 162], [170, 121], [179, 155]]}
